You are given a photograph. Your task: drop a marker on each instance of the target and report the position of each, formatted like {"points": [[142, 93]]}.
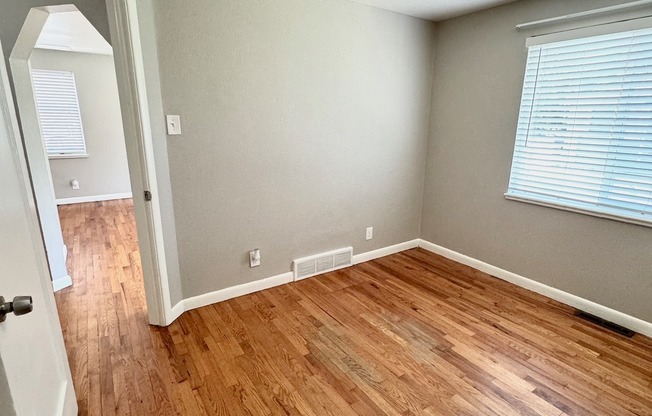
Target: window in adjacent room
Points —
{"points": [[584, 136], [58, 112]]}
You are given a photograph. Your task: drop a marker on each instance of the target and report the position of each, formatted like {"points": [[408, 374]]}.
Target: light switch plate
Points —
{"points": [[174, 125]]}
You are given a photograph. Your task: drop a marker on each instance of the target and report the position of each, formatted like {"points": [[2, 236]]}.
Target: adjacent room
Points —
{"points": [[67, 94], [346, 207]]}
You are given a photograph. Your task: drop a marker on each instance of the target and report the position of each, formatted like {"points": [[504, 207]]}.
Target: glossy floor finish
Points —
{"points": [[407, 334]]}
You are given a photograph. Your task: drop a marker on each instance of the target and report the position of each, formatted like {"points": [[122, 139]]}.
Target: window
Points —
{"points": [[584, 135], [58, 112]]}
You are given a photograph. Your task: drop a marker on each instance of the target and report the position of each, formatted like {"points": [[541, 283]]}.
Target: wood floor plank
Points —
{"points": [[408, 334]]}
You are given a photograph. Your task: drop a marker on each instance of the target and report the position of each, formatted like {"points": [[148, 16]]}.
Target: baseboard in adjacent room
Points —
{"points": [[620, 318], [61, 283], [93, 198]]}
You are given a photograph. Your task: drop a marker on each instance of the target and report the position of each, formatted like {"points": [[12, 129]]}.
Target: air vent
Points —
{"points": [[605, 324], [322, 263]]}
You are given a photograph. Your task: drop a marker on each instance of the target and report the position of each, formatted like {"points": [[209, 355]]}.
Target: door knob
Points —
{"points": [[20, 306]]}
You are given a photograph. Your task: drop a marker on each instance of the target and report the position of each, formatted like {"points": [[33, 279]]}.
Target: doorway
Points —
{"points": [[69, 107], [110, 338], [67, 94], [125, 35]]}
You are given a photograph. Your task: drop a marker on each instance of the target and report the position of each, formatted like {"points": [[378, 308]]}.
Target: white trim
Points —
{"points": [[280, 279], [93, 198], [130, 72], [234, 291], [584, 15], [590, 31], [385, 251], [61, 283], [177, 310], [561, 207], [586, 305]]}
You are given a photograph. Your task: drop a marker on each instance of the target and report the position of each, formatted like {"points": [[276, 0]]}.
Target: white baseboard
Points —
{"points": [[61, 283], [620, 318], [281, 279], [385, 251], [176, 312], [93, 198], [230, 293]]}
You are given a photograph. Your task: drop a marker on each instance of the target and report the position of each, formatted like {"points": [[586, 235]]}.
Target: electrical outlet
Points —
{"points": [[174, 125], [370, 233], [74, 184], [254, 258]]}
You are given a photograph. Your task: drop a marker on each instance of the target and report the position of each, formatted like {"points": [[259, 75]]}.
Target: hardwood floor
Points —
{"points": [[407, 334]]}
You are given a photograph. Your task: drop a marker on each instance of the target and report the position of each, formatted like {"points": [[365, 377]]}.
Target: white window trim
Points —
{"points": [[620, 218], [590, 31]]}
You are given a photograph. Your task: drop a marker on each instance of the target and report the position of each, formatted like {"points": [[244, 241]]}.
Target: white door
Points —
{"points": [[34, 373]]}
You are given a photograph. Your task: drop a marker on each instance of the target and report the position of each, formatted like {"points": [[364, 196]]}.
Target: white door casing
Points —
{"points": [[130, 72]]}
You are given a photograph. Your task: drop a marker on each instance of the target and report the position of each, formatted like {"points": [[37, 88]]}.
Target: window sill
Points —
{"points": [[78, 156], [613, 217]]}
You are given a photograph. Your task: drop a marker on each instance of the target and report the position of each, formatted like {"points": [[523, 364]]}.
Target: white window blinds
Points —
{"points": [[58, 111], [584, 136]]}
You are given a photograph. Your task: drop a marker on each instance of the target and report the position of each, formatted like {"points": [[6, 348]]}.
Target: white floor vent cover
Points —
{"points": [[322, 263]]}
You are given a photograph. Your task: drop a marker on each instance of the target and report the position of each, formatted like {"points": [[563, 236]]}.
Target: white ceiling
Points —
{"points": [[433, 9], [71, 31]]}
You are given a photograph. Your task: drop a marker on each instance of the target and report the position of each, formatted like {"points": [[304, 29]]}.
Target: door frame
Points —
{"points": [[130, 71]]}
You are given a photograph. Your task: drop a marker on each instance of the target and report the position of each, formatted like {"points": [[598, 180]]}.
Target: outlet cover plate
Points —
{"points": [[254, 258], [174, 125]]}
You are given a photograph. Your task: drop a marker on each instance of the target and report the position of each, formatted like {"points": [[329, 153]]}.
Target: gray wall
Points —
{"points": [[478, 75], [304, 121], [105, 170]]}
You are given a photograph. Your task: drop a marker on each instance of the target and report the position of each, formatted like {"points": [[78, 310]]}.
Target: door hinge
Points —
{"points": [[148, 196]]}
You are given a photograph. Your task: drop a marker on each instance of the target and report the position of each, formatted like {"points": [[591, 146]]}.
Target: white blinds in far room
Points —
{"points": [[584, 136], [58, 111]]}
